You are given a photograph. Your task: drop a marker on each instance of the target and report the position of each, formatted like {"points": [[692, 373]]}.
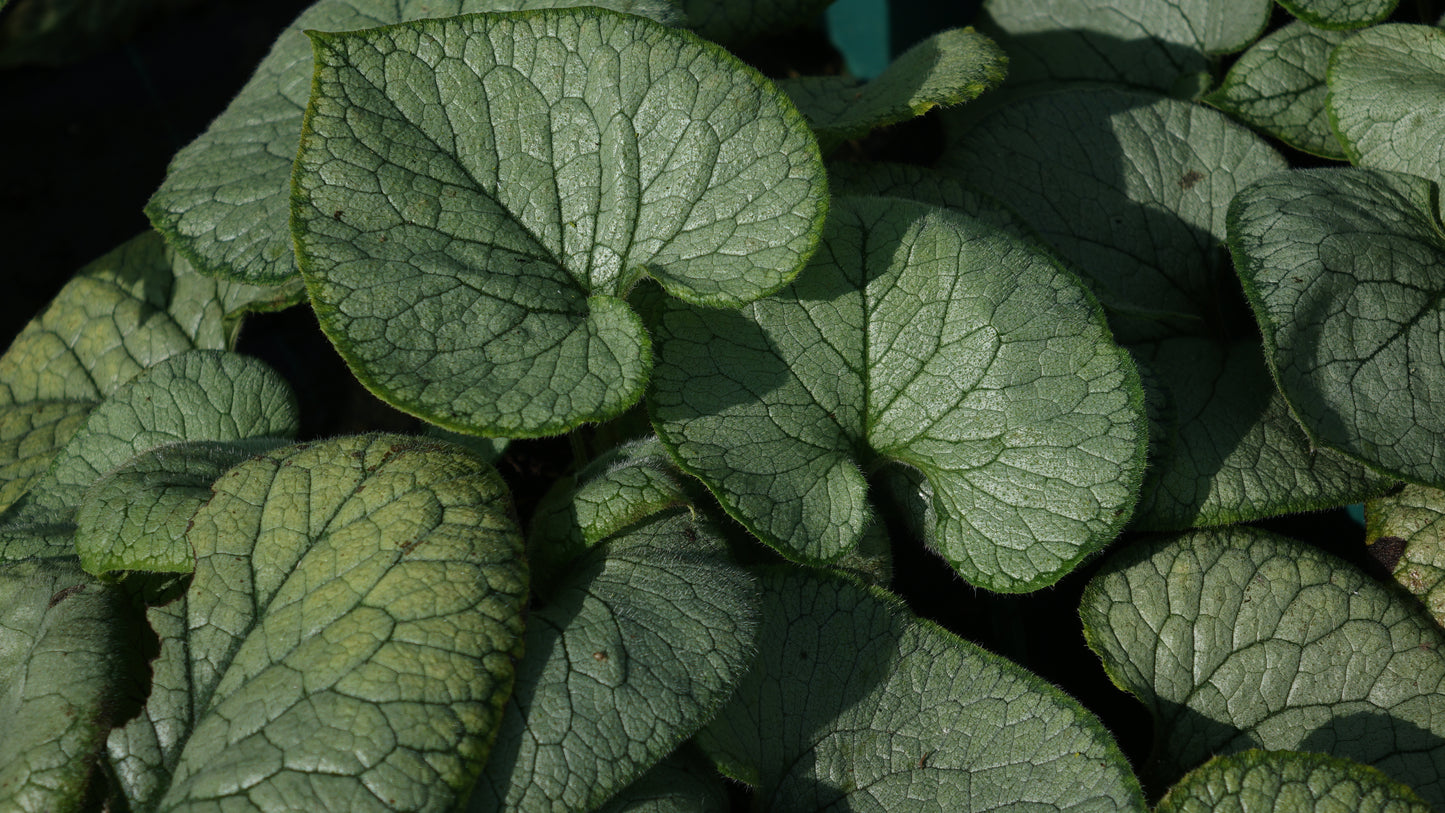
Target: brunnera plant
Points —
{"points": [[1137, 302]]}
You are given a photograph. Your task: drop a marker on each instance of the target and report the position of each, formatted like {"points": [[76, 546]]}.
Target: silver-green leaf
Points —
{"points": [[1344, 270], [474, 196], [1387, 99], [924, 337], [854, 704], [1278, 86], [1267, 781], [225, 200], [637, 649], [1240, 639], [347, 640]]}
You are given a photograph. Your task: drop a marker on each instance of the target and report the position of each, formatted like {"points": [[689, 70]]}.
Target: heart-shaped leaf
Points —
{"points": [[1137, 42], [225, 201], [469, 215], [638, 648], [1267, 781], [924, 337], [128, 310], [1232, 452], [1242, 639], [1406, 533], [854, 704], [946, 69], [70, 668], [1278, 86], [1344, 271], [1387, 99], [1129, 186], [347, 639], [1338, 14]]}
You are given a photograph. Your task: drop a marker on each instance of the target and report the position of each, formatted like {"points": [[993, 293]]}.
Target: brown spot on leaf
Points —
{"points": [[599, 656], [65, 594], [1387, 550], [1190, 178]]}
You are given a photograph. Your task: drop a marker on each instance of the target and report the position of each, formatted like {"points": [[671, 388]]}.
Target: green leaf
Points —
{"points": [[1140, 42], [225, 200], [492, 215], [128, 310], [1241, 639], [1406, 533], [136, 517], [70, 668], [682, 783], [1278, 86], [924, 337], [1265, 781], [1339, 14], [347, 640], [620, 488], [1129, 186], [854, 704], [735, 21], [643, 643], [949, 68], [1343, 268], [1387, 89], [1233, 453], [196, 396]]}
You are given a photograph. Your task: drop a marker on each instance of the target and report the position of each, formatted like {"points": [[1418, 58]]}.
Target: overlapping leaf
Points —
{"points": [[1129, 186], [1231, 451], [1387, 99], [1344, 271], [1340, 14], [854, 704], [948, 68], [347, 639], [643, 642], [1406, 533], [923, 337], [1137, 42], [132, 308], [1242, 639], [475, 195], [682, 783], [1267, 781], [70, 668], [225, 200], [1278, 86]]}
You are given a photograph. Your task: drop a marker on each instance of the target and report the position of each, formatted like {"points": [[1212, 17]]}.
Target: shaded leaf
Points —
{"points": [[1137, 42], [1339, 14], [854, 704], [128, 310], [924, 337], [1344, 271], [347, 639], [736, 21], [682, 783], [656, 153], [1278, 86], [637, 649], [1233, 453], [70, 668], [1387, 99], [1242, 639], [225, 200], [949, 68], [1265, 781], [1130, 187]]}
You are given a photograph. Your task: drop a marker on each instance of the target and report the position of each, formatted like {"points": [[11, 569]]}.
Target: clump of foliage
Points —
{"points": [[1110, 315]]}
